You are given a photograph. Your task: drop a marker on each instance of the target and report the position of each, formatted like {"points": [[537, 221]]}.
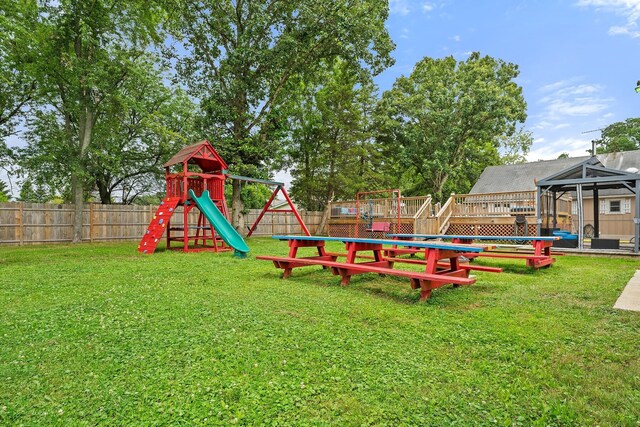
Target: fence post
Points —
{"points": [[287, 225], [91, 223], [20, 224]]}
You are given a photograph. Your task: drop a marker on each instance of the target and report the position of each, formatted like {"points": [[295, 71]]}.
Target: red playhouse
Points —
{"points": [[204, 190]]}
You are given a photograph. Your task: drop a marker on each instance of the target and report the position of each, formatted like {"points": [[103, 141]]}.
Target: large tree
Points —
{"points": [[620, 136], [83, 52], [143, 123], [243, 55], [448, 119], [147, 123], [332, 152]]}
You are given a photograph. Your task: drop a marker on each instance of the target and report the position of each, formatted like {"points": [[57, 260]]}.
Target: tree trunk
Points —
{"points": [[77, 197], [104, 191], [77, 176], [237, 217]]}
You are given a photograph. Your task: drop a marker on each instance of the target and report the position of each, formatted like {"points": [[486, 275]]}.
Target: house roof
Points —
{"points": [[202, 154], [523, 176], [628, 161], [520, 177]]}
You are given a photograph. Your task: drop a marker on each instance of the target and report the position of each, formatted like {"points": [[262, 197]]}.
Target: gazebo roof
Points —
{"points": [[202, 154], [590, 173]]}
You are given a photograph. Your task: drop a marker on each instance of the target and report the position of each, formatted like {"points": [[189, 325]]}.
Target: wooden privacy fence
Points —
{"points": [[34, 223]]}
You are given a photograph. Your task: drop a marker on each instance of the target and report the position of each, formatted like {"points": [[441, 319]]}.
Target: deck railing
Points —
{"points": [[494, 204], [486, 208], [507, 204], [410, 207]]}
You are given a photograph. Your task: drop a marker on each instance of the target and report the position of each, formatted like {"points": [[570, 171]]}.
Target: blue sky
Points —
{"points": [[579, 60]]}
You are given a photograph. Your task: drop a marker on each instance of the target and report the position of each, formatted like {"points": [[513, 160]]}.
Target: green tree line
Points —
{"points": [[103, 92]]}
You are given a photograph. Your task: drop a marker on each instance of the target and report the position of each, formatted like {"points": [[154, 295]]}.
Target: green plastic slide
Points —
{"points": [[229, 234]]}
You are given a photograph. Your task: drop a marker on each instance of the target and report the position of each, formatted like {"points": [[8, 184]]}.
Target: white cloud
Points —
{"points": [[399, 7], [567, 88], [427, 7], [404, 33], [576, 107], [542, 125], [456, 38], [567, 98], [629, 9], [554, 86], [576, 147]]}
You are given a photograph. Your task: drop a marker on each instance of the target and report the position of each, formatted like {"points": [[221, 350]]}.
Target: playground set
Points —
{"points": [[199, 183], [204, 190]]}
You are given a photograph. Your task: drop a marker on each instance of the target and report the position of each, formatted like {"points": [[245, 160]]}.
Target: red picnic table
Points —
{"points": [[541, 257], [435, 275]]}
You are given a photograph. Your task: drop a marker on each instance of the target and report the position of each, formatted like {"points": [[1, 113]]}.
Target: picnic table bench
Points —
{"points": [[541, 257], [435, 275]]}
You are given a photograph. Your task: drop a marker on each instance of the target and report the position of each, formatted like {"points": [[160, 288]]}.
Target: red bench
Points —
{"points": [[441, 265], [426, 282], [380, 227], [434, 275], [541, 257]]}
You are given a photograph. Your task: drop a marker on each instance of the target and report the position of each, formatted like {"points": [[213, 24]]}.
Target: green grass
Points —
{"points": [[98, 334]]}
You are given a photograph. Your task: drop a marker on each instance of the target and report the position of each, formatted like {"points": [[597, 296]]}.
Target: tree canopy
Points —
{"points": [[620, 136], [332, 150], [448, 120], [243, 58]]}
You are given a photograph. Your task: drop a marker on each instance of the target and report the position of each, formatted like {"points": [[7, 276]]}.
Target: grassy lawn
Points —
{"points": [[98, 334]]}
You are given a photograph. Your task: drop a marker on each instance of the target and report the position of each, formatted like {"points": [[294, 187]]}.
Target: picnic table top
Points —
{"points": [[449, 236], [413, 244]]}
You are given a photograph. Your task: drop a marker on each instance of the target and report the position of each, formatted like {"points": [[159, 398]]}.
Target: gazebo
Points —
{"points": [[589, 175]]}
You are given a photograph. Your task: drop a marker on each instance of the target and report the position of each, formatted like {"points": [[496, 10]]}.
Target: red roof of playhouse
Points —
{"points": [[202, 154]]}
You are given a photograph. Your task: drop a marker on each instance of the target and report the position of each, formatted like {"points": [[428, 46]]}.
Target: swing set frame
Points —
{"points": [[279, 187]]}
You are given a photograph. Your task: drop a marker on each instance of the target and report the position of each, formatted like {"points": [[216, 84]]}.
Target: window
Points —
{"points": [[614, 206]]}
